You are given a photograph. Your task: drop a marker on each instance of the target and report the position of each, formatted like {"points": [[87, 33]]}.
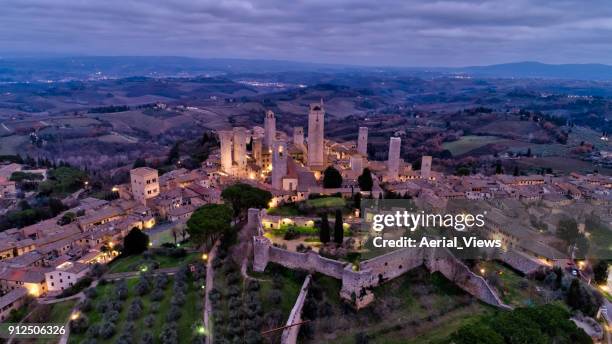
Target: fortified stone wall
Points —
{"points": [[310, 261], [443, 261], [290, 334], [357, 281], [394, 264]]}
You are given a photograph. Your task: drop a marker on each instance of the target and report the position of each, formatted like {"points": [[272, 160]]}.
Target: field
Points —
{"points": [[158, 317], [412, 308], [243, 308], [468, 143], [561, 164], [12, 144]]}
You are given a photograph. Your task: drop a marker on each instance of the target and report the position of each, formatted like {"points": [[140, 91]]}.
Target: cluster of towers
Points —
{"points": [[268, 151], [271, 151]]}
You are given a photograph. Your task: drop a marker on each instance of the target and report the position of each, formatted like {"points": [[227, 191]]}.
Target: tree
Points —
{"points": [[209, 222], [567, 230], [67, 218], [324, 229], [338, 228], [135, 242], [476, 334], [600, 272], [516, 171], [243, 196], [139, 162], [174, 154], [365, 180], [331, 178], [498, 167]]}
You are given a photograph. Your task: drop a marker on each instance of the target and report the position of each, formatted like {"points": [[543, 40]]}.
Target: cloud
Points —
{"points": [[387, 32]]}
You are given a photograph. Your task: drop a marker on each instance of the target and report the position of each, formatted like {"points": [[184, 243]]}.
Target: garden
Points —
{"points": [[146, 309], [155, 258], [245, 309]]}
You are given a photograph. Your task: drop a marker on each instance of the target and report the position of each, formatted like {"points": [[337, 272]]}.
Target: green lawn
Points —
{"points": [[468, 143], [136, 262], [326, 202]]}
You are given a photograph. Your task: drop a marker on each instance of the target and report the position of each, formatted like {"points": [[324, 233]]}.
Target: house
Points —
{"points": [[32, 279], [65, 275], [14, 299]]}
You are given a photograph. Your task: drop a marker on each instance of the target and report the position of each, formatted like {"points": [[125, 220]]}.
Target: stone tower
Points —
{"points": [[144, 183], [316, 142], [298, 136], [256, 149], [225, 138], [269, 129], [279, 164], [356, 163], [362, 141], [240, 135], [393, 161], [426, 167]]}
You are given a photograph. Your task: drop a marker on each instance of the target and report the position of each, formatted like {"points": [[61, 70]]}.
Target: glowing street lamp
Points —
{"points": [[75, 316], [201, 330], [205, 256]]}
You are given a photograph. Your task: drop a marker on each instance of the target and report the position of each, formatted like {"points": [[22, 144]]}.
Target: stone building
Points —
{"points": [[145, 183], [316, 140], [270, 129], [393, 161], [362, 141]]}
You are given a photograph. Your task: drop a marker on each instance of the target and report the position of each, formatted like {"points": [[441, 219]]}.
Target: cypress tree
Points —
{"points": [[324, 229], [338, 230]]}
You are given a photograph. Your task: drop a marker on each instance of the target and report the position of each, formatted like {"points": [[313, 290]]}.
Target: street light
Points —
{"points": [[205, 257]]}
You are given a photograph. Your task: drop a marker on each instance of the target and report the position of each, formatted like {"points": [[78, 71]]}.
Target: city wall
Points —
{"points": [[358, 280], [290, 334]]}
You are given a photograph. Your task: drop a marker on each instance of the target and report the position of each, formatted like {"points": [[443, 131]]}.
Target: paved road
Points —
{"points": [[210, 278]]}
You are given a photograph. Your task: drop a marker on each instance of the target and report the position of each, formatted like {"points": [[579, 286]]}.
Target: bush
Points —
{"points": [[142, 287], [93, 331], [168, 334], [79, 325], [275, 297], [77, 287], [149, 320], [174, 313], [111, 316], [85, 305], [107, 330], [157, 295], [135, 310], [146, 338]]}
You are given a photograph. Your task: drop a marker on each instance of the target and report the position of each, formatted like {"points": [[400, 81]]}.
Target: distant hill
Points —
{"points": [[541, 70], [100, 67]]}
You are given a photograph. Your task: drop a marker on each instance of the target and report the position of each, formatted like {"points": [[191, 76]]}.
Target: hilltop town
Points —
{"points": [[305, 175]]}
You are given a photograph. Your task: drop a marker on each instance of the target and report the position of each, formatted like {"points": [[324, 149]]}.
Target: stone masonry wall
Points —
{"points": [[290, 334], [357, 282]]}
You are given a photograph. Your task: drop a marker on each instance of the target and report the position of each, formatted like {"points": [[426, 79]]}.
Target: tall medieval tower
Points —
{"points": [[269, 129], [316, 142], [279, 164]]}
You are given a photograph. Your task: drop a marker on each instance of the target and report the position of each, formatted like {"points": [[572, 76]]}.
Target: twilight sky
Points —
{"points": [[370, 32]]}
